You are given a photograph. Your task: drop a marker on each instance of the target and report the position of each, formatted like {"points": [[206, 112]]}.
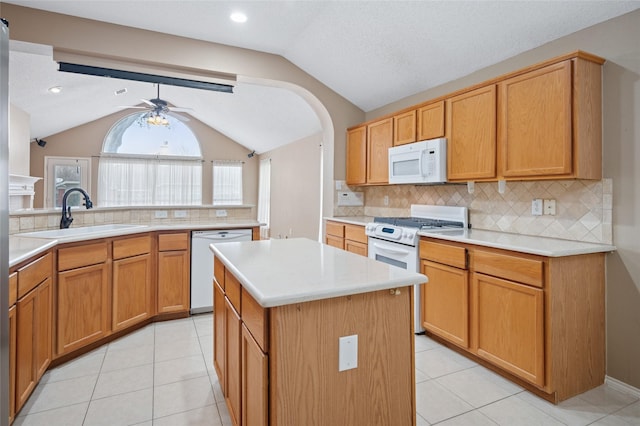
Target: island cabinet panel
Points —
{"points": [[255, 382], [471, 135], [44, 327], [357, 156], [13, 288], [306, 387], [83, 306], [219, 336], [233, 387], [431, 121], [173, 273], [26, 347], [509, 325]]}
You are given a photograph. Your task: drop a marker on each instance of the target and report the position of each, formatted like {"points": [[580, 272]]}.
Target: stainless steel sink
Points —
{"points": [[81, 231]]}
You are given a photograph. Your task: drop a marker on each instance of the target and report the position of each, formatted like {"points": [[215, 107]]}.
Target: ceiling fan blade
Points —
{"points": [[178, 116], [131, 107], [148, 103], [178, 109]]}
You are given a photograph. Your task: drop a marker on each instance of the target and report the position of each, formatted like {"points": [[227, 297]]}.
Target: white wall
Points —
{"points": [[19, 141]]}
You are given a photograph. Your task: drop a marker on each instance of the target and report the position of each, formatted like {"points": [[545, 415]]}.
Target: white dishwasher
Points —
{"points": [[202, 264]]}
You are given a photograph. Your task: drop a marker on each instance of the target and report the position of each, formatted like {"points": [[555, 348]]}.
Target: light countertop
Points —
{"points": [[25, 245], [550, 247], [285, 271], [543, 246]]}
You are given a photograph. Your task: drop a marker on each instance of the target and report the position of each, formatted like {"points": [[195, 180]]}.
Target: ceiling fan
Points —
{"points": [[158, 108]]}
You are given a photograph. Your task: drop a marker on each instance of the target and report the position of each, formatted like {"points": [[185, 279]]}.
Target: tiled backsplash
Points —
{"points": [[583, 208], [40, 220]]}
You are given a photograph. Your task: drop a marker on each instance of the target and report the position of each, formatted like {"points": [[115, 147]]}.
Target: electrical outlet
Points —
{"points": [[386, 200], [347, 352], [221, 213], [180, 213], [161, 214], [550, 207], [536, 207]]}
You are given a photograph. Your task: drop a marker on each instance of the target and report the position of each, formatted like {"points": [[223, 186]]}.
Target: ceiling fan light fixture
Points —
{"points": [[153, 118]]}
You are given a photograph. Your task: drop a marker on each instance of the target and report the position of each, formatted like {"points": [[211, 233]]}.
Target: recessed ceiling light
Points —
{"points": [[55, 89], [238, 17]]}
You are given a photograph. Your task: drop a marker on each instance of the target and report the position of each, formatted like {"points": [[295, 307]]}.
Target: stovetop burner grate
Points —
{"points": [[418, 222]]}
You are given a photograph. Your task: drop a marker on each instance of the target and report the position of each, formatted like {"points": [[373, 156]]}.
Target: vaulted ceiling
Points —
{"points": [[370, 52]]}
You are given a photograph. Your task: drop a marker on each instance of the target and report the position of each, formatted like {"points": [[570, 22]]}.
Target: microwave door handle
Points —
{"points": [[423, 163]]}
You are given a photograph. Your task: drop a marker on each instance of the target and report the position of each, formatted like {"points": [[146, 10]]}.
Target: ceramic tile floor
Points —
{"points": [[162, 375]]}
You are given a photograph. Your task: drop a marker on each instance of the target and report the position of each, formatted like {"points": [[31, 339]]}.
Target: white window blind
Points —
{"points": [[264, 197], [227, 182], [144, 182]]}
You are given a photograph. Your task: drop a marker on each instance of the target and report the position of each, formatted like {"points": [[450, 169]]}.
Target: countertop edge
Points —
{"points": [[48, 243], [275, 301]]}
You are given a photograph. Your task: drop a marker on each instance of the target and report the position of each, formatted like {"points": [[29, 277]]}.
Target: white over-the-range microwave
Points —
{"points": [[423, 162]]}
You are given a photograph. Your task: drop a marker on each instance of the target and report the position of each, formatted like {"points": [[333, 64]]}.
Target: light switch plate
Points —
{"points": [[536, 207], [161, 214], [221, 213], [348, 352]]}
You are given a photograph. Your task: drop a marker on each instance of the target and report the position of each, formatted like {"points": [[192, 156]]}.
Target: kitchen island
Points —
{"points": [[307, 334]]}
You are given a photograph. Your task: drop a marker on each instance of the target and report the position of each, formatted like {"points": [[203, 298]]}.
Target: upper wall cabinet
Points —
{"points": [[404, 128], [540, 122], [431, 121], [550, 122], [471, 134], [357, 156], [368, 153]]}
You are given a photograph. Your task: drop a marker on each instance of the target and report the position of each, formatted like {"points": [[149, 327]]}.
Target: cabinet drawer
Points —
{"points": [[171, 242], [34, 273], [218, 271], [131, 247], [335, 229], [256, 319], [355, 233], [13, 288], [514, 268], [232, 289], [82, 255], [444, 253]]}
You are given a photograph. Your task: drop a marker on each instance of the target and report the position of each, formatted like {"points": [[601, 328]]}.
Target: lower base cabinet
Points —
{"points": [[509, 325], [12, 363], [174, 262], [131, 287], [233, 393], [83, 307], [255, 382]]}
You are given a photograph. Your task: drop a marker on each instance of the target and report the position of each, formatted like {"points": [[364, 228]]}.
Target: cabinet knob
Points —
{"points": [[394, 291]]}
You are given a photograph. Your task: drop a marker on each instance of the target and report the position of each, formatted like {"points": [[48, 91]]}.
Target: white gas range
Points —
{"points": [[394, 240]]}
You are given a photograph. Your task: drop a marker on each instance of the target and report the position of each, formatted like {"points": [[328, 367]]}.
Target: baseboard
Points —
{"points": [[621, 386]]}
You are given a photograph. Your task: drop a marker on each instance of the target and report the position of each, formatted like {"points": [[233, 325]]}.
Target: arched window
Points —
{"points": [[150, 164]]}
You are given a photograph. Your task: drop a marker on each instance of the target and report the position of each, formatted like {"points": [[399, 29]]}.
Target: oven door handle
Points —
{"points": [[390, 250]]}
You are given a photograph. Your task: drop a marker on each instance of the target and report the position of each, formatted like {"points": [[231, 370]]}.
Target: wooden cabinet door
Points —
{"points": [[431, 121], [131, 300], [508, 322], [357, 156], [173, 281], [44, 327], [83, 307], [404, 128], [379, 140], [334, 241], [535, 122], [255, 382], [445, 302], [12, 362], [219, 336], [233, 394], [471, 135], [356, 247], [26, 326]]}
